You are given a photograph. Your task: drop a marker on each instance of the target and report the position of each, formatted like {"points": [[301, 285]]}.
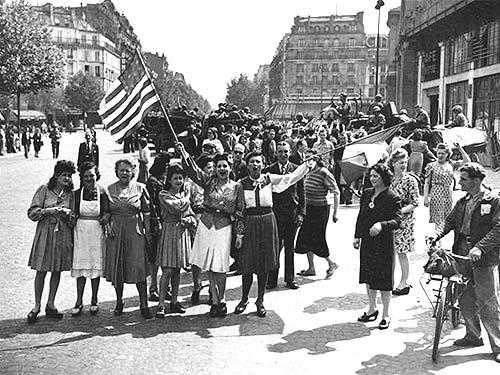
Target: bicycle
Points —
{"points": [[445, 307]]}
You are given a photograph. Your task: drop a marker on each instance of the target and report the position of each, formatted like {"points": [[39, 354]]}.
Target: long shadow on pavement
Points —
{"points": [[351, 301], [416, 357]]}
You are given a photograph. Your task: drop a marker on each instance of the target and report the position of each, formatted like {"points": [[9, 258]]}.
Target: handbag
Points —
{"points": [[441, 263]]}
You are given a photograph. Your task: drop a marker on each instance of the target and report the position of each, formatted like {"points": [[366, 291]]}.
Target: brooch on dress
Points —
{"points": [[371, 204]]}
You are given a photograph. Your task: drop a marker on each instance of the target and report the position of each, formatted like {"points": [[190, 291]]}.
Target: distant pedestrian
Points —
{"points": [[92, 212], [26, 140], [88, 151], [144, 160], [37, 142], [55, 140], [52, 250]]}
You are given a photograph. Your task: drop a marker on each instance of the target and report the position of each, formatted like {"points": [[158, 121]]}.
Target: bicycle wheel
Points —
{"points": [[456, 290], [440, 315]]}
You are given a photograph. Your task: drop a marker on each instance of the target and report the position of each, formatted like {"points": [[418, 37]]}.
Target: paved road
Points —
{"points": [[313, 329]]}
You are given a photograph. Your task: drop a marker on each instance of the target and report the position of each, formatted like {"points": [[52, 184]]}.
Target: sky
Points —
{"points": [[212, 41]]}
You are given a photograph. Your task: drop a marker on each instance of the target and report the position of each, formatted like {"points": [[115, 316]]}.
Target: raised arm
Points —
{"points": [[465, 157], [194, 172], [282, 182]]}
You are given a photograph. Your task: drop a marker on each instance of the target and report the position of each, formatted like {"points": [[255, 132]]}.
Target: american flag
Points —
{"points": [[127, 100]]}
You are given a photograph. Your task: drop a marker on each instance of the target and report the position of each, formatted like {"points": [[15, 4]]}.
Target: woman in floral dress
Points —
{"points": [[439, 183], [406, 188]]}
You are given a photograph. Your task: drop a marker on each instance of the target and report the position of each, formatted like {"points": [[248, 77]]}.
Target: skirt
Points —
{"points": [[211, 248], [312, 233], [260, 249], [174, 247]]}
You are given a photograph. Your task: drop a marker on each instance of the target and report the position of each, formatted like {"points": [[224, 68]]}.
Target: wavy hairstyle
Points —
{"points": [[62, 166]]}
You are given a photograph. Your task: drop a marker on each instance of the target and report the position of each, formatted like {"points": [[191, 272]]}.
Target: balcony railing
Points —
{"points": [[85, 43]]}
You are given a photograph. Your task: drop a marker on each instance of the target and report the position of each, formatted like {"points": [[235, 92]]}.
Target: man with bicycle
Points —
{"points": [[475, 220]]}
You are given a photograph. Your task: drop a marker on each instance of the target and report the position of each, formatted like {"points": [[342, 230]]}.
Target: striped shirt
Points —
{"points": [[317, 184]]}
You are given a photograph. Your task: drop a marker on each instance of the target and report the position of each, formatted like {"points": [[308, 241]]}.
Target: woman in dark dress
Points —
{"points": [[379, 215]]}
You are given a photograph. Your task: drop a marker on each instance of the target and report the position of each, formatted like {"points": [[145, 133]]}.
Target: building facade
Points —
{"points": [[448, 53], [90, 48], [324, 56]]}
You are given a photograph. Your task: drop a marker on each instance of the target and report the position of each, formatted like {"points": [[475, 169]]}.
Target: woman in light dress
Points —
{"points": [[92, 212]]}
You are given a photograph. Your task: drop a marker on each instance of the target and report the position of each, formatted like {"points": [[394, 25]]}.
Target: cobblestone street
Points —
{"points": [[310, 330]]}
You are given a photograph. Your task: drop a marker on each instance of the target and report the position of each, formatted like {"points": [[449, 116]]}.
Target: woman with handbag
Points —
{"points": [[92, 212], [126, 235], [213, 239], [379, 214], [52, 250]]}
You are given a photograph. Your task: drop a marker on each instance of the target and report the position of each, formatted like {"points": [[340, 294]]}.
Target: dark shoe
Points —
{"points": [[209, 298], [222, 310], [402, 292], [177, 308], [306, 273], [384, 323], [241, 307], [93, 309], [160, 312], [365, 318], [118, 308], [467, 341], [153, 296], [53, 313], [214, 310], [261, 311], [331, 270], [195, 297], [292, 285], [77, 310], [146, 313], [32, 316]]}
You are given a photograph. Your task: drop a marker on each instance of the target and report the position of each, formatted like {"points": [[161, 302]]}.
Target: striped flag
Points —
{"points": [[128, 99]]}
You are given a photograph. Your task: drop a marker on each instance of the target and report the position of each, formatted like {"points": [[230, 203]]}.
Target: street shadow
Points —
{"points": [[351, 301], [316, 340], [105, 324], [416, 357]]}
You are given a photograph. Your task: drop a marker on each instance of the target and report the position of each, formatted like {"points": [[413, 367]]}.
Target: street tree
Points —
{"points": [[83, 92], [29, 61], [243, 92]]}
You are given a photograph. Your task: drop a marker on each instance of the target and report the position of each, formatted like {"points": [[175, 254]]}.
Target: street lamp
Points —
{"points": [[380, 4]]}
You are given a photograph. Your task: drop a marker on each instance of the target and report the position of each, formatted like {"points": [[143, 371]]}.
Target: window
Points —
{"points": [[336, 42], [87, 55], [300, 68], [315, 68], [486, 101], [97, 71], [95, 41], [371, 80], [335, 80], [336, 28], [324, 79], [456, 93], [335, 67], [59, 37], [351, 80], [350, 67], [323, 67], [371, 92], [299, 80], [383, 43], [352, 42], [86, 69], [350, 90], [327, 29], [69, 53], [302, 43], [97, 56], [70, 68], [315, 80], [84, 38]]}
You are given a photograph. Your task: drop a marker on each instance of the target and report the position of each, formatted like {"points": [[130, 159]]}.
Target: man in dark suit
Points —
{"points": [[299, 156], [88, 151], [288, 208]]}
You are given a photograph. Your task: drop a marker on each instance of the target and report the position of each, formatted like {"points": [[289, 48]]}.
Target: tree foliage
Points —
{"points": [[29, 61], [83, 92], [242, 92]]}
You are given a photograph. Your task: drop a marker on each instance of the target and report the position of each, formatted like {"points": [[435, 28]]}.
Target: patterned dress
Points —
{"points": [[440, 195], [406, 188]]}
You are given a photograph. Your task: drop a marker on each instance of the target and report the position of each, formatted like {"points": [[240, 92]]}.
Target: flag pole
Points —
{"points": [[156, 93]]}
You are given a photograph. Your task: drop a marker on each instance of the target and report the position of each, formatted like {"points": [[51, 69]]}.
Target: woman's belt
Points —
{"points": [[86, 217], [216, 211], [254, 211]]}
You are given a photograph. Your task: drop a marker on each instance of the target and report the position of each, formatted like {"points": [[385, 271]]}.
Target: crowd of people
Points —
{"points": [[236, 200]]}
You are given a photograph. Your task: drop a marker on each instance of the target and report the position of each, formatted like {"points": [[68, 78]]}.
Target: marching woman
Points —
{"points": [[212, 243], [311, 239], [379, 214], [92, 212], [126, 242], [174, 246], [257, 238], [52, 250]]}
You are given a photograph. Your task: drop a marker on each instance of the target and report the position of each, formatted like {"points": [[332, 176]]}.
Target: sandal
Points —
{"points": [[384, 323], [306, 273], [365, 318], [52, 313], [32, 316], [77, 310], [93, 309], [330, 271]]}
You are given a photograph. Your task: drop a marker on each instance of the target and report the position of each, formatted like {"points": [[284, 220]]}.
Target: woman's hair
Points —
{"points": [[314, 153], [254, 154], [171, 170], [160, 164], [126, 162], [143, 142], [444, 147], [417, 135], [62, 166], [214, 132], [220, 157], [204, 160], [87, 166], [397, 155], [385, 173]]}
